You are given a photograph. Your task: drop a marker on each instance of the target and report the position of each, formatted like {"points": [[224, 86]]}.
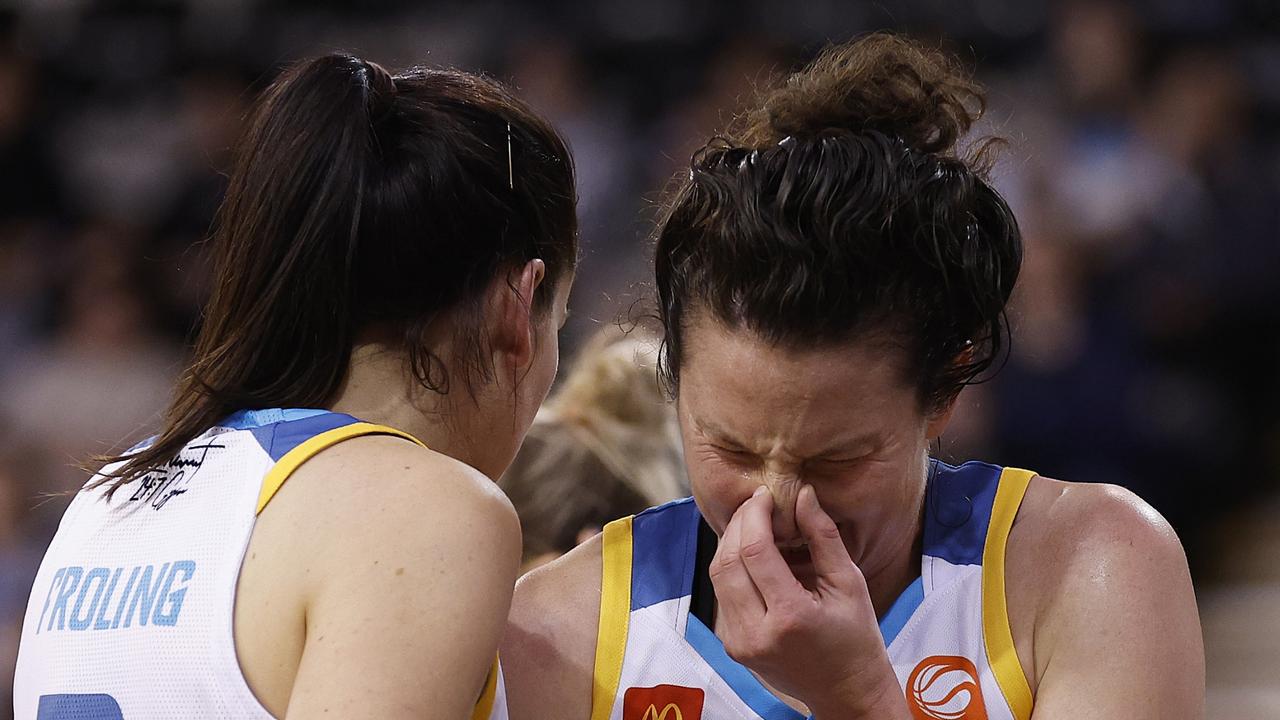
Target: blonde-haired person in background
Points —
{"points": [[605, 445]]}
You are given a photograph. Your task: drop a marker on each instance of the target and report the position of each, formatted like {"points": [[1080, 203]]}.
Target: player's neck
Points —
{"points": [[886, 584], [380, 389]]}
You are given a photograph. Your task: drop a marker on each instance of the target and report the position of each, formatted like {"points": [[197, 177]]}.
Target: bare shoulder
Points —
{"points": [[382, 499], [404, 486], [1074, 518], [375, 527], [548, 654], [383, 470], [1099, 592]]}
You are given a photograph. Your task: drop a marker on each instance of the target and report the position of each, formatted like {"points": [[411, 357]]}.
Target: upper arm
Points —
{"points": [[548, 654], [413, 558], [1117, 634]]}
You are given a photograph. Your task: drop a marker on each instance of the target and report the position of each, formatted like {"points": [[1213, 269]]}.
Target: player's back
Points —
{"points": [[131, 613]]}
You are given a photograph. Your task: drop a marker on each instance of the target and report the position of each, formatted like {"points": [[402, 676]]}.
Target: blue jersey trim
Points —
{"points": [[664, 546], [958, 505], [142, 445], [738, 677], [901, 611], [95, 706], [254, 420], [756, 695], [249, 419], [280, 430]]}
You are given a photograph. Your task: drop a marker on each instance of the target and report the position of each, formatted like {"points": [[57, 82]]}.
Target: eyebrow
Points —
{"points": [[842, 446]]}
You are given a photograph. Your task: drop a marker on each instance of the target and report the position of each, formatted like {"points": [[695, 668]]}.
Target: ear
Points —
{"points": [[939, 418], [513, 330]]}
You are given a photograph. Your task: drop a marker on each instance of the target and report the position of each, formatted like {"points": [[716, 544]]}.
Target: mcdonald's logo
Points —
{"points": [[651, 712], [945, 687], [663, 702]]}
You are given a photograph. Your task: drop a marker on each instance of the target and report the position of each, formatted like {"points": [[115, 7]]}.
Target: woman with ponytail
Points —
{"points": [[315, 531], [830, 276]]}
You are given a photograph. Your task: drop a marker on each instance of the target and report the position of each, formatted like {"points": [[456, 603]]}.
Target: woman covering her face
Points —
{"points": [[393, 259], [830, 277]]}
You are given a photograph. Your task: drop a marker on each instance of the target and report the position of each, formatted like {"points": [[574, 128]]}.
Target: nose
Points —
{"points": [[785, 488]]}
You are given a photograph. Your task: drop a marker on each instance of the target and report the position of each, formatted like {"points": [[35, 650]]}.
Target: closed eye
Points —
{"points": [[832, 464], [734, 454]]}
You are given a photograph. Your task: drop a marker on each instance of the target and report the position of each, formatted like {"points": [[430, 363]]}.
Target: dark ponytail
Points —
{"points": [[841, 206], [362, 200]]}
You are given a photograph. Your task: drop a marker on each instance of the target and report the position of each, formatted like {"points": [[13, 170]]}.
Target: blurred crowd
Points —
{"points": [[1142, 159]]}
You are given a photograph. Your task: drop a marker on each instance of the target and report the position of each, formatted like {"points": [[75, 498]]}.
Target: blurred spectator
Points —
{"points": [[28, 515], [551, 77], [605, 445], [100, 380], [1144, 166]]}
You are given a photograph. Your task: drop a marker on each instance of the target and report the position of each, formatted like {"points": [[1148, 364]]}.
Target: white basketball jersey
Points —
{"points": [[947, 635], [131, 612]]}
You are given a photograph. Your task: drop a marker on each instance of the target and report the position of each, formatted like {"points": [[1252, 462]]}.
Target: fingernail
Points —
{"points": [[759, 491]]}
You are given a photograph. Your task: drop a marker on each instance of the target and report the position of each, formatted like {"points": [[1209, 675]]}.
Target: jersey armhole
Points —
{"points": [[615, 614], [292, 460], [488, 697], [996, 631]]}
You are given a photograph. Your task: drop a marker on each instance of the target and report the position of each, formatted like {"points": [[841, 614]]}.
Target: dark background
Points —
{"points": [[1143, 164]]}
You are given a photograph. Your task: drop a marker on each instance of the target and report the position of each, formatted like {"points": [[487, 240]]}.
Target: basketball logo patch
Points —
{"points": [[945, 687], [662, 702]]}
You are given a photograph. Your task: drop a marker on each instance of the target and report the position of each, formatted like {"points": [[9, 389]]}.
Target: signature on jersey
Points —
{"points": [[171, 479]]}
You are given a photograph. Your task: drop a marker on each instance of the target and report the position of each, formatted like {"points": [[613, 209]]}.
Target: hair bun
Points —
{"points": [[880, 82]]}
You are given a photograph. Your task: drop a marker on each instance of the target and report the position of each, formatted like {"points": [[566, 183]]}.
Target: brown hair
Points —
{"points": [[363, 200], [840, 205]]}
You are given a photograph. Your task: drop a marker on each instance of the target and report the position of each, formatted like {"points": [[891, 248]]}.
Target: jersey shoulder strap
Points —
{"points": [[959, 501], [293, 436], [646, 559], [997, 633]]}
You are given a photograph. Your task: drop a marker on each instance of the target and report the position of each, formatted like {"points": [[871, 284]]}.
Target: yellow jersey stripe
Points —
{"points": [[996, 632], [484, 706], [293, 459], [615, 612]]}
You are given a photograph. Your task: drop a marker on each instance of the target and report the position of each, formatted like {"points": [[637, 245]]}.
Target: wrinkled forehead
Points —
{"points": [[734, 382]]}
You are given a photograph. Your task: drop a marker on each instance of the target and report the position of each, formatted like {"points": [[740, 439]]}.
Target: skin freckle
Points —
{"points": [[399, 571]]}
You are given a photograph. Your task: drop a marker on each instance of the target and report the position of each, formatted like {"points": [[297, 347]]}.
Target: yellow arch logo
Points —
{"points": [[662, 702], [670, 712]]}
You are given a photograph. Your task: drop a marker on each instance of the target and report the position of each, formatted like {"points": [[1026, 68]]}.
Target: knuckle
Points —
{"points": [[742, 652], [754, 549], [722, 564], [782, 619], [827, 529], [786, 620], [854, 578], [794, 617]]}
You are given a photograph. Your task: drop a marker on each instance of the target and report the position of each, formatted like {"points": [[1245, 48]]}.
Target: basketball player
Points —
{"points": [[829, 278], [315, 533]]}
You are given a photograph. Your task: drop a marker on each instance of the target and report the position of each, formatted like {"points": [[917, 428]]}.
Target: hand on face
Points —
{"points": [[821, 645]]}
